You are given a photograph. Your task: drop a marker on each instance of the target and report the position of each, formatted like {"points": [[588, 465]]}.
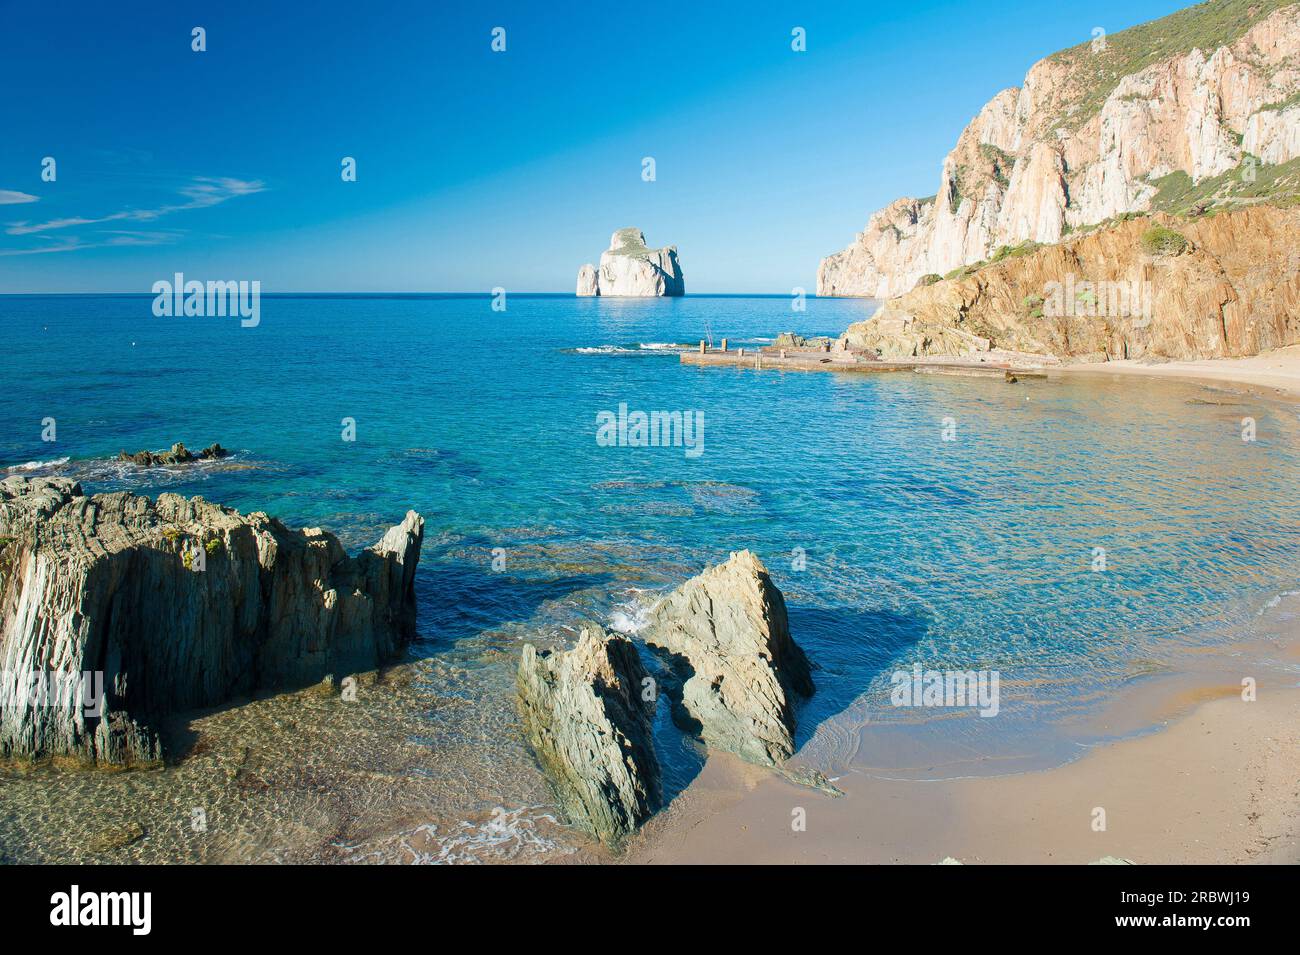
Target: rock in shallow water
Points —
{"points": [[728, 641], [728, 636], [584, 718], [180, 604]]}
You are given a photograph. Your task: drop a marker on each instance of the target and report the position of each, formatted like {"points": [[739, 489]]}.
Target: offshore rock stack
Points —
{"points": [[629, 268]]}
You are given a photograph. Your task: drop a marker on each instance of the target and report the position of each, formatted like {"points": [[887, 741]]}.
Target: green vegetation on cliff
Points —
{"points": [[1159, 240], [1097, 71], [1250, 182]]}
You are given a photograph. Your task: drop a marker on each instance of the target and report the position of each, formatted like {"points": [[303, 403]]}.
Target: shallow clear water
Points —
{"points": [[974, 553]]}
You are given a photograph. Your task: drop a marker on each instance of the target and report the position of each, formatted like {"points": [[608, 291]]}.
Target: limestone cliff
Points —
{"points": [[179, 604], [629, 268], [1221, 285], [1198, 109]]}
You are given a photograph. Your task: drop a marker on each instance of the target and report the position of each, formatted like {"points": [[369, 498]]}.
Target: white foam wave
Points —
{"points": [[631, 616], [37, 465], [628, 349], [509, 835], [1274, 601]]}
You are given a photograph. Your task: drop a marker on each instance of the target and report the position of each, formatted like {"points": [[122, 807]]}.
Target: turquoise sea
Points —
{"points": [[892, 545]]}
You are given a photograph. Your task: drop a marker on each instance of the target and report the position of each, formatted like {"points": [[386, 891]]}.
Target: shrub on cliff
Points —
{"points": [[1014, 251], [1159, 240], [929, 279]]}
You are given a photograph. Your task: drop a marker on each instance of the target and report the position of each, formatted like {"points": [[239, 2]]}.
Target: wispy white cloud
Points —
{"points": [[115, 239], [70, 244], [9, 197], [201, 193]]}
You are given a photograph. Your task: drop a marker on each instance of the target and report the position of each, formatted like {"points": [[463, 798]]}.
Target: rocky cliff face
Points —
{"points": [[179, 604], [1196, 107], [629, 268], [1218, 286]]}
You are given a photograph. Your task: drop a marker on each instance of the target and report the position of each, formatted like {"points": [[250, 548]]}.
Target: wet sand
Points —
{"points": [[1220, 784]]}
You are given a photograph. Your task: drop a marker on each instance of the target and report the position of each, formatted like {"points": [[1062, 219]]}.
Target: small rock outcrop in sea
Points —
{"points": [[727, 635], [177, 454], [179, 604], [628, 268], [585, 720]]}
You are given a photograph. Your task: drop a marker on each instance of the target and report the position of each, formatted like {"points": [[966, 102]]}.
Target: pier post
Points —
{"points": [[742, 353], [724, 344], [701, 346]]}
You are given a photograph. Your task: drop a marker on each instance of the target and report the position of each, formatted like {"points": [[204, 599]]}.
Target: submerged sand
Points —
{"points": [[1218, 782], [1276, 371]]}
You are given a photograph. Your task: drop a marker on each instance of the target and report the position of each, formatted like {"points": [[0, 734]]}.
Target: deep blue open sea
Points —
{"points": [[892, 545]]}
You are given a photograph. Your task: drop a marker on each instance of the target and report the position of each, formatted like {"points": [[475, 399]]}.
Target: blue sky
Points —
{"points": [[478, 169]]}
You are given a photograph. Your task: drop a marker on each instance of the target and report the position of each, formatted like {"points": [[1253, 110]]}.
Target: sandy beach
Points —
{"points": [[1213, 778], [1274, 371], [1220, 785]]}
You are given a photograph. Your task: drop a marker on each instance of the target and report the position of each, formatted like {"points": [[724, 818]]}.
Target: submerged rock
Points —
{"points": [[116, 838], [728, 637], [585, 720], [177, 454], [178, 604], [629, 268]]}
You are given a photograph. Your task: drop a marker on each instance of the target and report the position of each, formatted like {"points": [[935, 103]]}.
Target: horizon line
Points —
{"points": [[458, 294]]}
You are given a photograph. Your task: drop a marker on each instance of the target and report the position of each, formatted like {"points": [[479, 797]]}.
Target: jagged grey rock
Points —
{"points": [[177, 454], [728, 636], [629, 268], [585, 719], [180, 604]]}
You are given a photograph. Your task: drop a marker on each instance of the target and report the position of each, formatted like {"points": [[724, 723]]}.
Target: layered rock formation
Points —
{"points": [[584, 718], [1193, 109], [735, 671], [629, 268], [179, 604], [1230, 287], [727, 634]]}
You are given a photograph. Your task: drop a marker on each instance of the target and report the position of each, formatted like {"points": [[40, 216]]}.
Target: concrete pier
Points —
{"points": [[844, 360]]}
